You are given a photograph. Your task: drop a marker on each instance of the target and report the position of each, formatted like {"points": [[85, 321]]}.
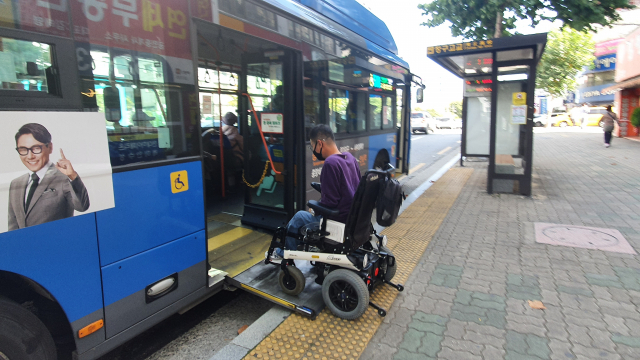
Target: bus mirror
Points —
{"points": [[112, 104], [419, 95]]}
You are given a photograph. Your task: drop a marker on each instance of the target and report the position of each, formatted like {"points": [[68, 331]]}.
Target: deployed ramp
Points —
{"points": [[262, 280]]}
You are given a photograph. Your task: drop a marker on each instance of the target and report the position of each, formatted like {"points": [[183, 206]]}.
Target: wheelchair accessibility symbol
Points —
{"points": [[179, 181]]}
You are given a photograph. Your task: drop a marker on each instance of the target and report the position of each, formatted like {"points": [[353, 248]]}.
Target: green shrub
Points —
{"points": [[635, 117]]}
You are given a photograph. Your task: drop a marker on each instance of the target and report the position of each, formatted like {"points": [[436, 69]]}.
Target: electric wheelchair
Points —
{"points": [[347, 267]]}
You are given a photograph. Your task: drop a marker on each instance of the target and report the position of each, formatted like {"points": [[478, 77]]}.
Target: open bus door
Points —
{"points": [[267, 102]]}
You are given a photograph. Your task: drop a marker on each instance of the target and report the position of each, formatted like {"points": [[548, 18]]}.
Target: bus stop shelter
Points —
{"points": [[497, 109]]}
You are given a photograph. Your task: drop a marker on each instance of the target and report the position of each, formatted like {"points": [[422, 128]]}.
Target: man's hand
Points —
{"points": [[65, 167]]}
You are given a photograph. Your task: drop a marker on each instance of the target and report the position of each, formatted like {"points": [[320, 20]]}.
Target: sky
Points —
{"points": [[403, 18]]}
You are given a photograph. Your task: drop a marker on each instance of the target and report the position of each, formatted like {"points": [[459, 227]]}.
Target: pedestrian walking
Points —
{"points": [[585, 115], [609, 118]]}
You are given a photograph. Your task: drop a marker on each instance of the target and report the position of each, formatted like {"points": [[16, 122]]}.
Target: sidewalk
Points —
{"points": [[468, 296]]}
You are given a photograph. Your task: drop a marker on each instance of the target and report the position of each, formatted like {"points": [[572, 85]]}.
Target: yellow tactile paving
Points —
{"points": [[329, 337]]}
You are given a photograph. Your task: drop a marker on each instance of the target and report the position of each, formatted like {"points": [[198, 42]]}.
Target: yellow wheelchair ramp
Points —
{"points": [[262, 280]]}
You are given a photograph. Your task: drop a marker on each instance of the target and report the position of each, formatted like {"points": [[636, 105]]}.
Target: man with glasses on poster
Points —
{"points": [[48, 191]]}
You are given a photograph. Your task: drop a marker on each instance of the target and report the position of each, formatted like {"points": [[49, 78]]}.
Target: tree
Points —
{"points": [[635, 117], [456, 108], [567, 51], [433, 112], [483, 19]]}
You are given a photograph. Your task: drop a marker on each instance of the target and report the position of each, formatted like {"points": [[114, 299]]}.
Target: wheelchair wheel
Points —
{"points": [[293, 283], [345, 294], [389, 271]]}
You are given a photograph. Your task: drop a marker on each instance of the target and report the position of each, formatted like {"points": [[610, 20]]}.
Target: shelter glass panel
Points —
{"points": [[511, 119]]}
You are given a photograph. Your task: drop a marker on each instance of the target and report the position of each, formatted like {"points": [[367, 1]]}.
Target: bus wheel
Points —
{"points": [[22, 335]]}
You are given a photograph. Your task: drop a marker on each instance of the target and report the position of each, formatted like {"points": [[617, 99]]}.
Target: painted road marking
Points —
{"points": [[227, 237], [444, 150], [413, 169]]}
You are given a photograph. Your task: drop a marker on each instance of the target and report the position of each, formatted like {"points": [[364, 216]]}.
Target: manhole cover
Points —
{"points": [[583, 237]]}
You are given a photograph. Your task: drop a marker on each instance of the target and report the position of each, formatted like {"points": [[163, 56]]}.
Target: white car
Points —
{"points": [[448, 123], [421, 121]]}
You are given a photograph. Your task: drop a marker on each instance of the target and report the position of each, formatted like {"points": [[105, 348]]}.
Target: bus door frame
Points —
{"points": [[294, 137]]}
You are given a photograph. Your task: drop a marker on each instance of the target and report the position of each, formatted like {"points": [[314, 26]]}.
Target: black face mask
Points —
{"points": [[318, 155]]}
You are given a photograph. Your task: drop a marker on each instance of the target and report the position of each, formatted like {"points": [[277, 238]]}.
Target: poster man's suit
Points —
{"points": [[55, 198]]}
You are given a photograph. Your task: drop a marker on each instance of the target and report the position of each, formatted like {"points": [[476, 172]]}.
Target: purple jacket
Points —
{"points": [[340, 178]]}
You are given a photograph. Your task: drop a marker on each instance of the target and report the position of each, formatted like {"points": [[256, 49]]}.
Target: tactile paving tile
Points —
{"points": [[329, 337]]}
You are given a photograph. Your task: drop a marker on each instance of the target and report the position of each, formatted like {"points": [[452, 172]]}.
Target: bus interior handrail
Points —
{"points": [[264, 142]]}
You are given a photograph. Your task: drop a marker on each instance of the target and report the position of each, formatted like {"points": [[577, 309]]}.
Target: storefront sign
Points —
{"points": [[607, 47], [628, 57], [595, 94], [605, 62], [271, 123]]}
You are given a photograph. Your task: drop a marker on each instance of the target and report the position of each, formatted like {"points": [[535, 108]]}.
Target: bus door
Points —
{"points": [[268, 105]]}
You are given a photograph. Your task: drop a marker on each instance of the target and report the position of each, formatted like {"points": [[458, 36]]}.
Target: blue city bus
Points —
{"points": [[222, 93]]}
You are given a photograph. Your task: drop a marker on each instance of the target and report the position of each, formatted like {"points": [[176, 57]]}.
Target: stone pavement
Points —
{"points": [[468, 297]]}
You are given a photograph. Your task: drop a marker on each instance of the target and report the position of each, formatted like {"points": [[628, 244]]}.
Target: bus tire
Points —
{"points": [[291, 284], [22, 335]]}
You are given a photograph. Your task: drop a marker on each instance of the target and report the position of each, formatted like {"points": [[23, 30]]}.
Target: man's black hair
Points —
{"points": [[608, 107], [38, 131], [321, 131]]}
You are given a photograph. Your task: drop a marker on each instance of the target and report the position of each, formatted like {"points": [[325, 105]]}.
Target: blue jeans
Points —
{"points": [[298, 220]]}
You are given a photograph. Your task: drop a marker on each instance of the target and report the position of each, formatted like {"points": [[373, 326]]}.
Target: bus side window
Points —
{"points": [[375, 112], [27, 66], [144, 116]]}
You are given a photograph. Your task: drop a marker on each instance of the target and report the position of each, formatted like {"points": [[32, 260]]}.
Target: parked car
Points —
{"points": [[448, 123], [540, 120], [421, 121], [594, 117], [560, 119]]}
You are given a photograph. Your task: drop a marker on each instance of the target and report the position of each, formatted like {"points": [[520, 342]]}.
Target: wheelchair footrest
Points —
{"points": [[382, 312], [398, 287]]}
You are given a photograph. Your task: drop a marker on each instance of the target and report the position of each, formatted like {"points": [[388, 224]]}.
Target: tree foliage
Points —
{"points": [[567, 51], [635, 117], [434, 113], [456, 108], [478, 19]]}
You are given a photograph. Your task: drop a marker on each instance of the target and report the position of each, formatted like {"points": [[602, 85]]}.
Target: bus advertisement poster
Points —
{"points": [[56, 166]]}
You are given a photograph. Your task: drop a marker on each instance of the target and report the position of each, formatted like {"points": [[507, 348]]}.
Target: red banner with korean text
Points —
{"points": [[151, 26], [44, 16]]}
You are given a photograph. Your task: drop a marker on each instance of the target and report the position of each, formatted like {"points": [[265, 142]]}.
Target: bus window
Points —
{"points": [[387, 113], [357, 115], [26, 66], [338, 102], [149, 125], [375, 112]]}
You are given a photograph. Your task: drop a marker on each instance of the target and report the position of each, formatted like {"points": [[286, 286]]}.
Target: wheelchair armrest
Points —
{"points": [[317, 186], [321, 210]]}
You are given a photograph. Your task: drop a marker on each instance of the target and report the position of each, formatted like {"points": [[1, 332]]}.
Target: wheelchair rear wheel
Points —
{"points": [[389, 271], [292, 283], [345, 294]]}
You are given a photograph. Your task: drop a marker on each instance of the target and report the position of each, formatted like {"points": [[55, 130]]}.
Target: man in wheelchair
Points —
{"points": [[348, 256], [340, 177]]}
